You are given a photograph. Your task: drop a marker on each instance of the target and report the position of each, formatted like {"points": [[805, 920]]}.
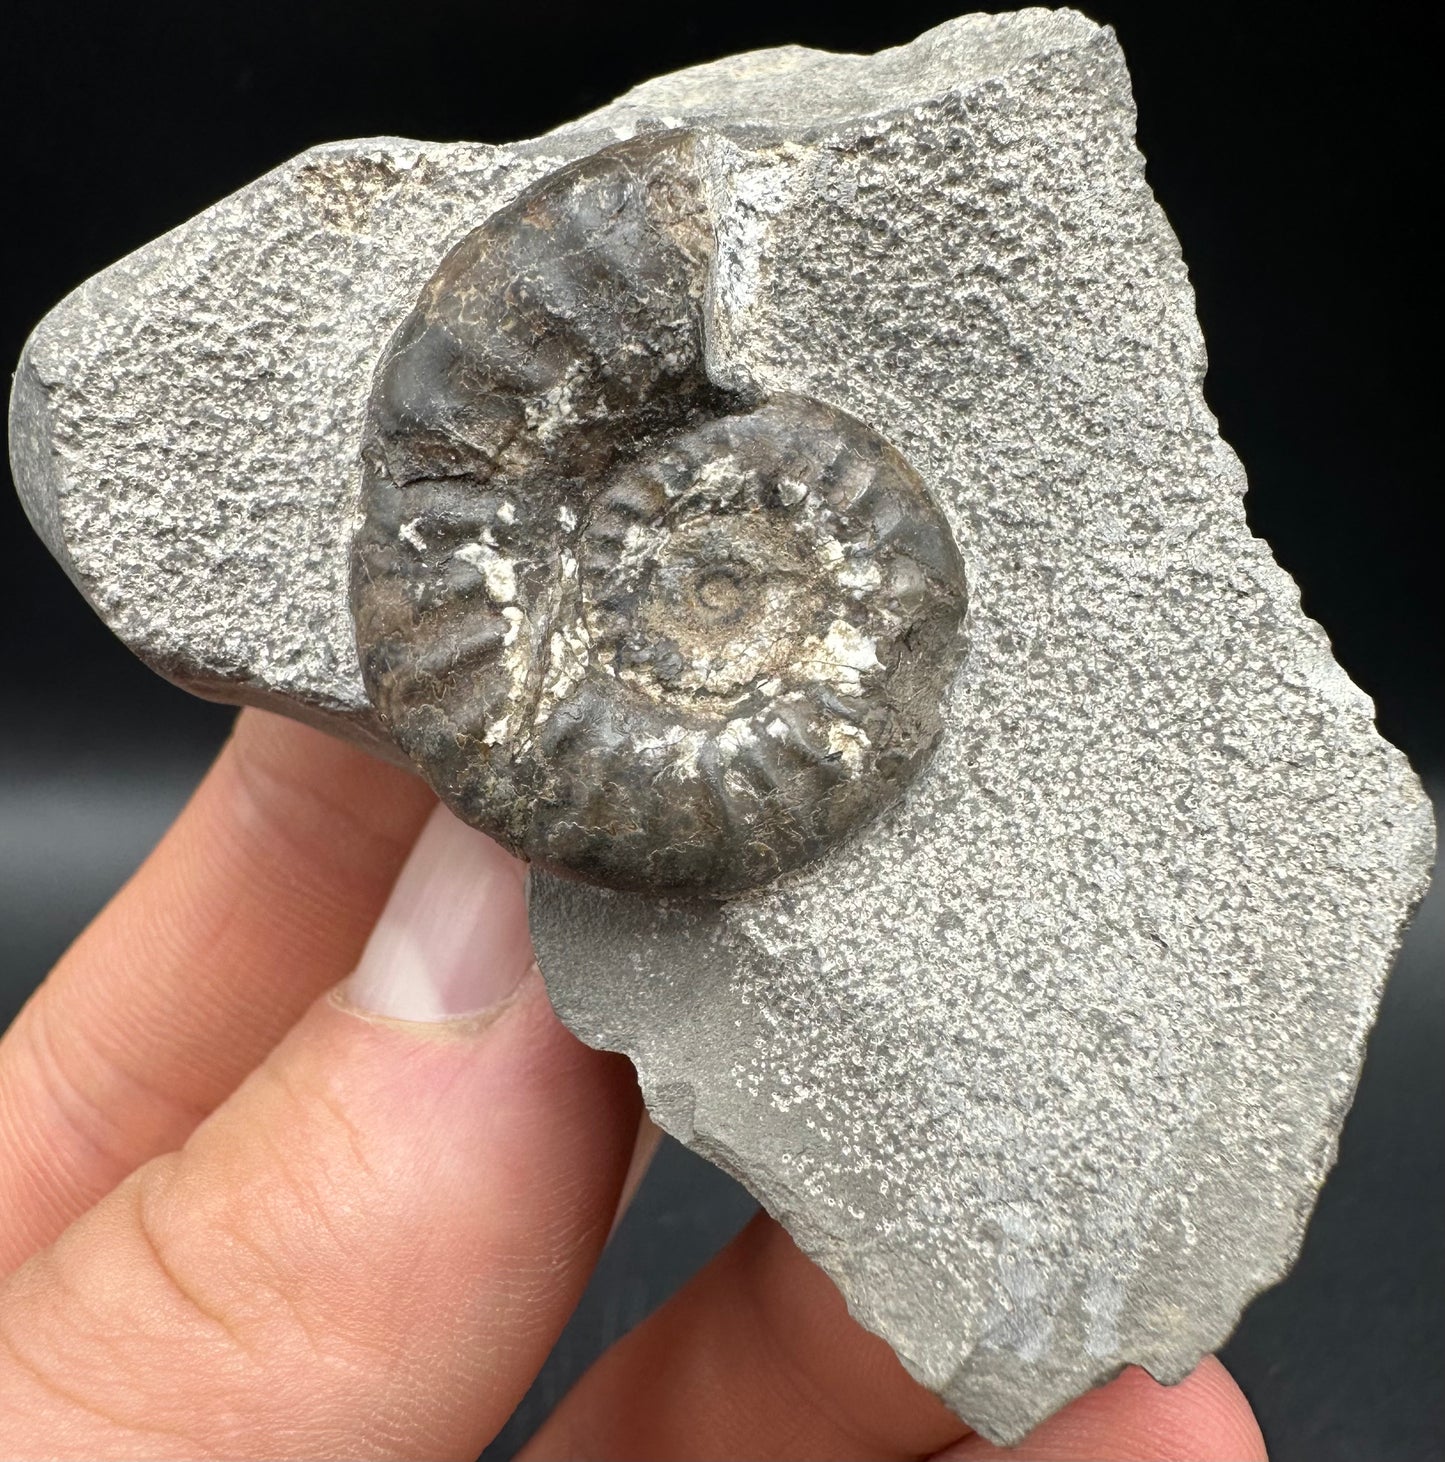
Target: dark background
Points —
{"points": [[1296, 156]]}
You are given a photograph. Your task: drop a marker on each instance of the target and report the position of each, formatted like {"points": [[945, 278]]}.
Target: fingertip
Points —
{"points": [[1205, 1418], [453, 938]]}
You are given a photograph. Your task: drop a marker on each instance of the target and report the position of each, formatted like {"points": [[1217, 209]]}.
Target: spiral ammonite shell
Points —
{"points": [[659, 634]]}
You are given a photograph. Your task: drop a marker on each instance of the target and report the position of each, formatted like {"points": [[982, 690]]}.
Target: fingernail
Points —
{"points": [[453, 938]]}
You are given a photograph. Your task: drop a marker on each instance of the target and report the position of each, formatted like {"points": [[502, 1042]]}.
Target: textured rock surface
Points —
{"points": [[1047, 1066]]}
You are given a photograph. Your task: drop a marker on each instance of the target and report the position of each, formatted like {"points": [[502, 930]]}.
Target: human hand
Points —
{"points": [[249, 1212]]}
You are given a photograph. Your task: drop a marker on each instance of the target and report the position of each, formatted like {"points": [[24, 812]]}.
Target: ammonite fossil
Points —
{"points": [[660, 634]]}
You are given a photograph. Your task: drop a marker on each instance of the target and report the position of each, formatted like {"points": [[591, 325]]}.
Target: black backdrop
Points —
{"points": [[1295, 158]]}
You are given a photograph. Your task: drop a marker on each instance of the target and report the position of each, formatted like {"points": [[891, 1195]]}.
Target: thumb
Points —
{"points": [[370, 1248]]}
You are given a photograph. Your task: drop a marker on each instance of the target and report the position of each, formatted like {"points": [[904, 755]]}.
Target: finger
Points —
{"points": [[369, 1249], [644, 1149], [1205, 1418], [756, 1357], [259, 897]]}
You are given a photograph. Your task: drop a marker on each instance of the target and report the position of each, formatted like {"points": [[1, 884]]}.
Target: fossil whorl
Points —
{"points": [[660, 634]]}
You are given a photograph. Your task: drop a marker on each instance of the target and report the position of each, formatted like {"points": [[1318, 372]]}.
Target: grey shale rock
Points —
{"points": [[1047, 1065]]}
